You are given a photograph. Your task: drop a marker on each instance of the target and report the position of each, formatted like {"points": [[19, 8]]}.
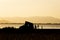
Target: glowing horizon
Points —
{"points": [[26, 8]]}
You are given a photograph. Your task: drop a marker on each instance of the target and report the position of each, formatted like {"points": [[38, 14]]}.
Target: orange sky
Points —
{"points": [[26, 8]]}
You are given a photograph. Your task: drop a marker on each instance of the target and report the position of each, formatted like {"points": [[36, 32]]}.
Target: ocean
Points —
{"points": [[17, 25]]}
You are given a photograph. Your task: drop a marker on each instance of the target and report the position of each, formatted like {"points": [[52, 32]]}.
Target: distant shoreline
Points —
{"points": [[35, 23]]}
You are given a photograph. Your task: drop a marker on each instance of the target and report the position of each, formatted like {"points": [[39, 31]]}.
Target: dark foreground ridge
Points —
{"points": [[28, 32], [28, 28]]}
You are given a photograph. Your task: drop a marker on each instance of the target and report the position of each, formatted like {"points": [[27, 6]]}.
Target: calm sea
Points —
{"points": [[17, 25]]}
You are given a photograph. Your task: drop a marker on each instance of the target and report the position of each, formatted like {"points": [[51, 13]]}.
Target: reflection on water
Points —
{"points": [[17, 25], [48, 27]]}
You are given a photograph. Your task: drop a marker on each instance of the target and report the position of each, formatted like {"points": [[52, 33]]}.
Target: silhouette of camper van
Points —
{"points": [[27, 26]]}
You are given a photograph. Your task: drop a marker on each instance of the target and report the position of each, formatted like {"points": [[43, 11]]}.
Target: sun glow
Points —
{"points": [[26, 8]]}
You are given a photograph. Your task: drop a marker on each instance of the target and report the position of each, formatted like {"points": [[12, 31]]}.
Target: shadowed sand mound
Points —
{"points": [[27, 32]]}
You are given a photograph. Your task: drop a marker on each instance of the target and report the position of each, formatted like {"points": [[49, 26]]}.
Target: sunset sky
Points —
{"points": [[27, 8]]}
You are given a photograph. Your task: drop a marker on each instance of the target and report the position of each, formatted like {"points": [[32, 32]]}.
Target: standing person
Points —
{"points": [[41, 27]]}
